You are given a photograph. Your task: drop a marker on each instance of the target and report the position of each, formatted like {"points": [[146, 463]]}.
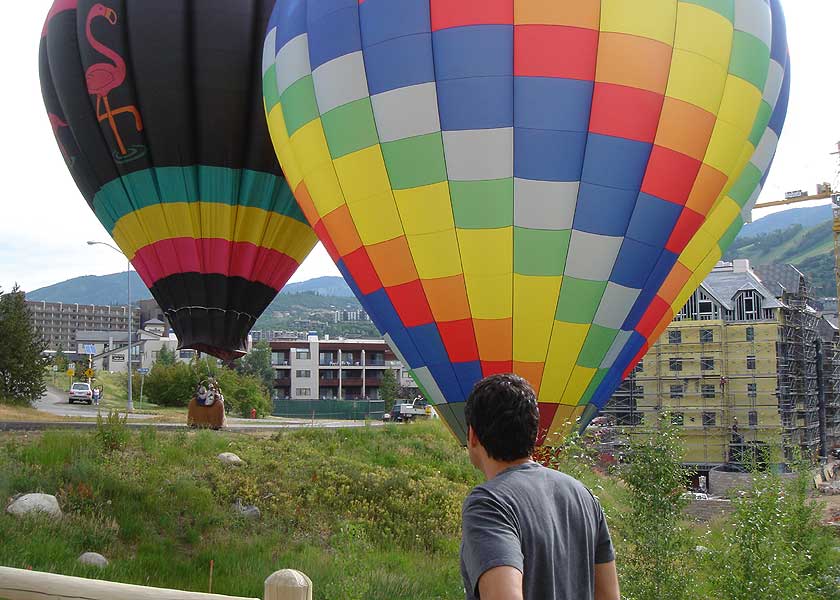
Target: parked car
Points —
{"points": [[80, 392]]}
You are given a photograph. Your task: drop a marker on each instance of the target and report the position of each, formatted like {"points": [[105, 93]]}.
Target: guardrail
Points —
{"points": [[19, 584]]}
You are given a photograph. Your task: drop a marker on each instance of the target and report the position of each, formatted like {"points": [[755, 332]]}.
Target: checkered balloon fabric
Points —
{"points": [[525, 185]]}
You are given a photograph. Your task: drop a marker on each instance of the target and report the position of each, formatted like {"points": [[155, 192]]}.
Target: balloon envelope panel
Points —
{"points": [[523, 186], [155, 110]]}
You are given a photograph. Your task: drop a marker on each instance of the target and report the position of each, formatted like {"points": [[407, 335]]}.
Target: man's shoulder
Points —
{"points": [[533, 479]]}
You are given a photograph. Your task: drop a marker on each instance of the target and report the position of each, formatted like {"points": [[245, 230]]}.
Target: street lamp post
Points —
{"points": [[130, 403]]}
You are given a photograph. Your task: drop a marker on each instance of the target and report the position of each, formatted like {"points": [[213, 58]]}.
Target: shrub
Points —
{"points": [[775, 546], [657, 556], [112, 432], [243, 393], [170, 385], [174, 385]]}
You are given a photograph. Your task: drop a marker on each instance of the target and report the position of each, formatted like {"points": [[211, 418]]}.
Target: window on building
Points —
{"points": [[707, 336], [750, 334], [677, 392], [674, 336], [705, 310], [302, 354], [708, 391], [709, 418], [303, 373], [303, 392], [751, 363], [752, 390], [707, 363], [677, 418], [675, 364], [750, 304], [753, 418]]}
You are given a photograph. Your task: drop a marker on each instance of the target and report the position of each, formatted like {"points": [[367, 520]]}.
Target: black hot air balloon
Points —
{"points": [[156, 110]]}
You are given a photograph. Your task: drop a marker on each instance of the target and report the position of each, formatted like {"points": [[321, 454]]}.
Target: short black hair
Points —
{"points": [[502, 411]]}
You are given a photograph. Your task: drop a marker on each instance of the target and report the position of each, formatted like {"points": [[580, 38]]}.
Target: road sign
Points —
{"points": [[71, 367], [90, 349], [118, 358], [89, 373], [71, 372], [143, 371]]}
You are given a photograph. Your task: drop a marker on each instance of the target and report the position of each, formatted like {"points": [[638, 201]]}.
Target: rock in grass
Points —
{"points": [[35, 503], [229, 458], [247, 510], [93, 559]]}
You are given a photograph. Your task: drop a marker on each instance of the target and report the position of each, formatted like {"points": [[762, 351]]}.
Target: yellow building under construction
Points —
{"points": [[738, 371]]}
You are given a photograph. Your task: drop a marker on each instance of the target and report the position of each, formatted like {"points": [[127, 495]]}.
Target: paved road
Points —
{"points": [[55, 403]]}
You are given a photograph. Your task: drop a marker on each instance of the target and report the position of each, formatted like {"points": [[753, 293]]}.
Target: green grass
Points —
{"points": [[370, 513]]}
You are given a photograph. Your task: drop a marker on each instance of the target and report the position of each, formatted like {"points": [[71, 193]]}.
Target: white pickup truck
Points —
{"points": [[408, 411]]}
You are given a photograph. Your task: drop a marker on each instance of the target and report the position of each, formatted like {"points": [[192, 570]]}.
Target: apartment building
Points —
{"points": [[312, 369], [58, 322], [737, 370]]}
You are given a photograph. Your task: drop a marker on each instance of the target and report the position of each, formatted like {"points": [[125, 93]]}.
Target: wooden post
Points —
{"points": [[288, 584]]}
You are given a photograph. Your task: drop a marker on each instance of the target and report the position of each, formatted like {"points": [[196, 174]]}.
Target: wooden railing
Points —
{"points": [[18, 584]]}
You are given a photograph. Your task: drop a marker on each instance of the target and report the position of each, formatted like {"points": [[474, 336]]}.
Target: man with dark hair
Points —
{"points": [[529, 533]]}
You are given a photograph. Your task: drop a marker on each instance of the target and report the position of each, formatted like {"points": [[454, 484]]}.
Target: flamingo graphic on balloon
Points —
{"points": [[103, 78], [57, 124]]}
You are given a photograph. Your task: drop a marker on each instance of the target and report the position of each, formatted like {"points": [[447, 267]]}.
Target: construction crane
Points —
{"points": [[824, 192]]}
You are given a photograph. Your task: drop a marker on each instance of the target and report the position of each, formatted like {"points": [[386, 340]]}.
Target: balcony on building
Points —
{"points": [[351, 359], [328, 359], [353, 393], [280, 358], [282, 381], [328, 377], [375, 359]]}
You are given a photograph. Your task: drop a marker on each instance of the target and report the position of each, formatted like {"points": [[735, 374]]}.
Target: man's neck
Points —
{"points": [[491, 467]]}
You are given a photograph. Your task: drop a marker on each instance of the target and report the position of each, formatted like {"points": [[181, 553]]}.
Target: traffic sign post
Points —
{"points": [[143, 371]]}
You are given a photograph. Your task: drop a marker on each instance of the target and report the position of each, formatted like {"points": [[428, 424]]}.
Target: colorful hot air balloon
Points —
{"points": [[154, 108], [524, 186]]}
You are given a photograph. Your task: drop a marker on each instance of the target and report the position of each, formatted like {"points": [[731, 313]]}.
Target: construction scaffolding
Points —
{"points": [[740, 380], [798, 390], [831, 387]]}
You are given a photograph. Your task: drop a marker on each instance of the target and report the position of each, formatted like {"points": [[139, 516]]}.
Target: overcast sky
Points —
{"points": [[46, 222]]}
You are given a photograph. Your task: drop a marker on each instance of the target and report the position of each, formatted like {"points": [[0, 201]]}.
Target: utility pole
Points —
{"points": [[130, 402]]}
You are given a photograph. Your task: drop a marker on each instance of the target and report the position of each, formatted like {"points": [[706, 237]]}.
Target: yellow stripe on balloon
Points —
{"points": [[213, 220]]}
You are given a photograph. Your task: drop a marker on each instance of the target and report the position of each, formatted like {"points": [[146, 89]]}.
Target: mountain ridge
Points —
{"points": [[111, 289]]}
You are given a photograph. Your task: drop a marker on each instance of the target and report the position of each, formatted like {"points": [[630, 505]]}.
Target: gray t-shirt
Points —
{"points": [[542, 522]]}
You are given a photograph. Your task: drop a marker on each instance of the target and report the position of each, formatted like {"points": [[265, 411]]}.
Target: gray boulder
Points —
{"points": [[93, 559], [229, 458], [28, 504], [247, 510]]}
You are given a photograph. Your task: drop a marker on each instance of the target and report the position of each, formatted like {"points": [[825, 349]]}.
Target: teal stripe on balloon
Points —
{"points": [[160, 185]]}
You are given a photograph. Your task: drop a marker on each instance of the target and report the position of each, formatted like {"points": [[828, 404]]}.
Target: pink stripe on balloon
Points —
{"points": [[213, 256], [57, 7]]}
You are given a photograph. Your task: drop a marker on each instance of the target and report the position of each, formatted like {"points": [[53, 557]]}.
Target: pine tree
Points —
{"points": [[388, 389], [22, 361], [165, 357]]}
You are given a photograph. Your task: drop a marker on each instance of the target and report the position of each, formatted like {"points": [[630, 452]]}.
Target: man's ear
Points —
{"points": [[472, 438]]}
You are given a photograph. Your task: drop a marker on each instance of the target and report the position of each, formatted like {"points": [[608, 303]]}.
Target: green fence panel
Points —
{"points": [[353, 410]]}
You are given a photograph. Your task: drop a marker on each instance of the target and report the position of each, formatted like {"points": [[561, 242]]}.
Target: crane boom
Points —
{"points": [[835, 205], [823, 196]]}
